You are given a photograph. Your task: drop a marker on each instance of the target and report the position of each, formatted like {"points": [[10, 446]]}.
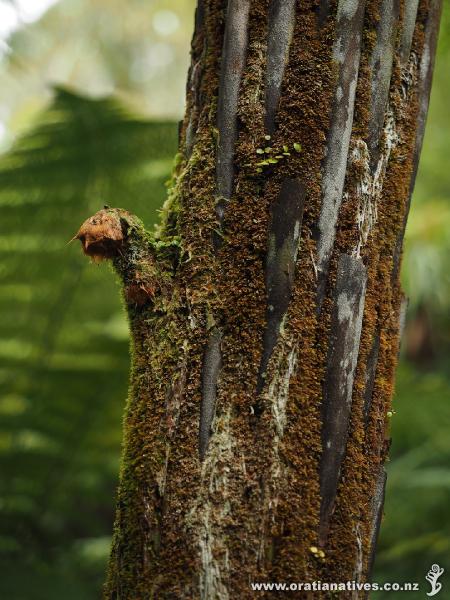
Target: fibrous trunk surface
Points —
{"points": [[265, 313]]}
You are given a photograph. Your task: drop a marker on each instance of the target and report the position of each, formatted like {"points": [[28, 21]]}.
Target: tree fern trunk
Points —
{"points": [[265, 314]]}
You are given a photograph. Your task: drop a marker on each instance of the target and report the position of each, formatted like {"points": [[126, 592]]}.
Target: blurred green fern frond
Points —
{"points": [[64, 339]]}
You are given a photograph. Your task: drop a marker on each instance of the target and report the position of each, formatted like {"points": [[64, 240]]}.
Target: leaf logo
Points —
{"points": [[432, 577]]}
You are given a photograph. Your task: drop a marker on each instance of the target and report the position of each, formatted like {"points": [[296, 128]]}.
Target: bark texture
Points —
{"points": [[265, 310]]}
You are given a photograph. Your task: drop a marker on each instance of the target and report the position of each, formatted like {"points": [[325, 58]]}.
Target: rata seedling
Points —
{"points": [[272, 155]]}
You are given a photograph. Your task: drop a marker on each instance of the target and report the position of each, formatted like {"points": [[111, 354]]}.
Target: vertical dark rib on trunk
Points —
{"points": [[377, 514], [425, 79], [323, 12], [193, 81], [371, 370], [426, 75], [191, 129], [346, 326], [346, 54], [281, 27], [284, 237], [381, 62], [212, 361], [199, 16], [234, 55], [409, 23]]}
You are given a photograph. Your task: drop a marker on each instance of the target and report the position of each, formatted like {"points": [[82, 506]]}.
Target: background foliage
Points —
{"points": [[63, 335]]}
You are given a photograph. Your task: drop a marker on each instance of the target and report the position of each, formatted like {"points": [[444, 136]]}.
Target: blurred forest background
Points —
{"points": [[90, 93]]}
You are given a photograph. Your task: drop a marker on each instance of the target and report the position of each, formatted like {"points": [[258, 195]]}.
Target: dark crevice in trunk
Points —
{"points": [[199, 16], [193, 119], [346, 326], [234, 55], [425, 78], [377, 514], [381, 62], [283, 244], [212, 362], [426, 68], [281, 27], [193, 86], [346, 56], [409, 23], [323, 12]]}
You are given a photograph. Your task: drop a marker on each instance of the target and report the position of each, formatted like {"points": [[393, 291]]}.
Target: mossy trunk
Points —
{"points": [[265, 312]]}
